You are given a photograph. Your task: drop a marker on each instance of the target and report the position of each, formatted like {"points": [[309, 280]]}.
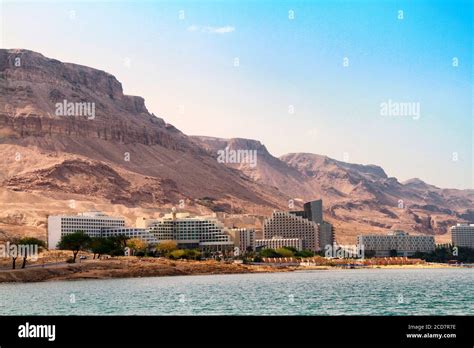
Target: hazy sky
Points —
{"points": [[185, 68]]}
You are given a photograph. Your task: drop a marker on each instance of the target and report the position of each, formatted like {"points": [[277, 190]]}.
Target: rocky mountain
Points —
{"points": [[124, 160], [124, 155], [357, 198]]}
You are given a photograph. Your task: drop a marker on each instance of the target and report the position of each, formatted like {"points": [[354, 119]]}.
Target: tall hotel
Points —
{"points": [[243, 238], [306, 225], [94, 224], [462, 235]]}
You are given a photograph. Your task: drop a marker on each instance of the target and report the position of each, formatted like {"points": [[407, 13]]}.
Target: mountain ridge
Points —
{"points": [[357, 193], [135, 161]]}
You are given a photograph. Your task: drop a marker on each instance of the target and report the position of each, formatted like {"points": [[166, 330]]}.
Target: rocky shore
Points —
{"points": [[127, 267], [133, 267]]}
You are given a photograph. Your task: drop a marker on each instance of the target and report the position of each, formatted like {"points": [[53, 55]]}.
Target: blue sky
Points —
{"points": [[184, 68]]}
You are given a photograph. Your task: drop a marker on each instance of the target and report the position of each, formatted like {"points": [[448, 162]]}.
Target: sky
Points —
{"points": [[300, 76]]}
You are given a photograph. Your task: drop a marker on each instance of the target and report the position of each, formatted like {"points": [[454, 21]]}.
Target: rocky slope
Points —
{"points": [[129, 162], [124, 155], [128, 267], [357, 198]]}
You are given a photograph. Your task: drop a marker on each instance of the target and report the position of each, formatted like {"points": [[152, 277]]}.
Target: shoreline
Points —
{"points": [[130, 267]]}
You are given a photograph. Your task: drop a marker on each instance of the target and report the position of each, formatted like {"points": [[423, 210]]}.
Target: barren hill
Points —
{"points": [[124, 155], [357, 198], [125, 160]]}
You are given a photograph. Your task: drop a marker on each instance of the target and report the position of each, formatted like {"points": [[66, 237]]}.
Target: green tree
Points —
{"points": [[76, 242], [304, 253], [268, 253], [118, 245], [165, 247], [445, 253], [99, 246], [193, 254], [137, 245], [121, 241], [284, 252], [30, 241], [293, 249]]}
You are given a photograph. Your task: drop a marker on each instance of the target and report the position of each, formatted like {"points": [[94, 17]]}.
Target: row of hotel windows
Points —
{"points": [[92, 220]]}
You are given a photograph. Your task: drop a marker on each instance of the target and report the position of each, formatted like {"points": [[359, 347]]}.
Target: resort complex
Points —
{"points": [[299, 230], [306, 225], [302, 230], [463, 235], [205, 232], [399, 243]]}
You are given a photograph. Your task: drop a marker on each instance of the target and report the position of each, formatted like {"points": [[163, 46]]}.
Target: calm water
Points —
{"points": [[335, 292]]}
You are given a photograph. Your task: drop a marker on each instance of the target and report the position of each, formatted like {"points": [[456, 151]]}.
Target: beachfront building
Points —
{"points": [[205, 233], [286, 225], [243, 238], [130, 232], [92, 223], [279, 242], [326, 235], [399, 241], [313, 211], [462, 235]]}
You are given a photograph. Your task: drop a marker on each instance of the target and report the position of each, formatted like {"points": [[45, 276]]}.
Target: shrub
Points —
{"points": [[269, 253], [284, 252], [176, 254]]}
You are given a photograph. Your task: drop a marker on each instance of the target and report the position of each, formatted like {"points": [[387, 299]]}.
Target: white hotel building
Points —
{"points": [[278, 242], [402, 242], [131, 232], [205, 233], [462, 235], [94, 224], [90, 223]]}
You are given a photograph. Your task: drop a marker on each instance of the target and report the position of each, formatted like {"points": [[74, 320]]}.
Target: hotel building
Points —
{"points": [[130, 232], [462, 235], [205, 233], [286, 225], [92, 223], [326, 234], [278, 242], [400, 241], [313, 211], [243, 238]]}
